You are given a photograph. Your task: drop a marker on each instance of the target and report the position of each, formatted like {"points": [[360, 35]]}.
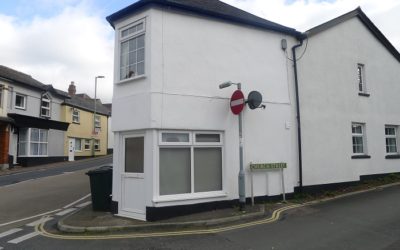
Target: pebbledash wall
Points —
{"points": [[179, 94], [330, 101]]}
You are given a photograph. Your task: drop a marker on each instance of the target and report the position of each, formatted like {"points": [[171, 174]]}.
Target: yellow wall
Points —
{"points": [[83, 130]]}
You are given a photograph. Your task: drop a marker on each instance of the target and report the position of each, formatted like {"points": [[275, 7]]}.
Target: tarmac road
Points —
{"points": [[58, 169], [364, 221]]}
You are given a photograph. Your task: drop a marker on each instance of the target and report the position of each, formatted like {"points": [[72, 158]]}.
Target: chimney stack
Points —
{"points": [[72, 89]]}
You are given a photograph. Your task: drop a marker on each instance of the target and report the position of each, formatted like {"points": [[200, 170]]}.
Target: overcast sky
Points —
{"points": [[59, 41]]}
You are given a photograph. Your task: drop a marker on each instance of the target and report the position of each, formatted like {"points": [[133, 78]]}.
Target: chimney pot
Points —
{"points": [[72, 89]]}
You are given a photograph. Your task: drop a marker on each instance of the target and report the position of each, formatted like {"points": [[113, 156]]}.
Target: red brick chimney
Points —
{"points": [[72, 89]]}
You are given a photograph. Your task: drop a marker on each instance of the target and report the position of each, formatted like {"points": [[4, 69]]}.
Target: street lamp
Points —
{"points": [[241, 177], [95, 109]]}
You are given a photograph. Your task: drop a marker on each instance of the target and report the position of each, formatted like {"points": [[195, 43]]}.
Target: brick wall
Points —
{"points": [[4, 142]]}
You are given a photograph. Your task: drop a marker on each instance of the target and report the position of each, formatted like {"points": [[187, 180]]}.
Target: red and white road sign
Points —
{"points": [[237, 102]]}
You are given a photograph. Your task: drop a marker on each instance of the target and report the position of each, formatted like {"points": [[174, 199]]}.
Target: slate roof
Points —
{"points": [[27, 80], [87, 104], [212, 8], [365, 20]]}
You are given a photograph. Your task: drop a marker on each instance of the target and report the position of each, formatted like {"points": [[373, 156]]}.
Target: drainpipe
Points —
{"points": [[296, 84]]}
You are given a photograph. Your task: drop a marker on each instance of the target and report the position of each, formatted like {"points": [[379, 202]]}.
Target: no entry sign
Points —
{"points": [[237, 102]]}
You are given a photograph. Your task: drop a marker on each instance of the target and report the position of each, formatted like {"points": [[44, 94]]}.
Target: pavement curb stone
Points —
{"points": [[63, 227]]}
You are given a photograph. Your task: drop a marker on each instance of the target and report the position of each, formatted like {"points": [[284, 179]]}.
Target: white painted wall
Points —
{"points": [[329, 103], [187, 57]]}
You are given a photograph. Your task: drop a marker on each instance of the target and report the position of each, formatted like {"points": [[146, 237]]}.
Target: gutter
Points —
{"points": [[296, 83]]}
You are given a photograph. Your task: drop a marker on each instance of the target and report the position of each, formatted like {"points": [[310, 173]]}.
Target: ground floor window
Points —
{"points": [[33, 142], [78, 144], [391, 139], [358, 135], [190, 162], [87, 144], [97, 145]]}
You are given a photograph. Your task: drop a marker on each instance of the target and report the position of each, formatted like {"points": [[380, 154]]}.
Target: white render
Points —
{"points": [[329, 103], [187, 57]]}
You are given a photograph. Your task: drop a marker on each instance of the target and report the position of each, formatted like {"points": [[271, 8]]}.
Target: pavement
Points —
{"points": [[19, 169], [85, 220]]}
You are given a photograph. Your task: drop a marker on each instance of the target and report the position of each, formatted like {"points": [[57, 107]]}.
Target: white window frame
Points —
{"points": [[361, 79], [45, 98], [28, 143], [395, 136], [133, 174], [128, 37], [1, 95], [24, 102], [97, 121], [362, 135], [192, 145], [77, 115], [76, 149], [87, 143], [161, 142], [96, 145]]}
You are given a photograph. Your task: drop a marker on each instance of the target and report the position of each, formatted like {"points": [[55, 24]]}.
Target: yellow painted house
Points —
{"points": [[87, 133]]}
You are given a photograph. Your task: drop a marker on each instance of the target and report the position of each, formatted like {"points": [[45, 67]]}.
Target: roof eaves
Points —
{"points": [[365, 20], [100, 112], [138, 5]]}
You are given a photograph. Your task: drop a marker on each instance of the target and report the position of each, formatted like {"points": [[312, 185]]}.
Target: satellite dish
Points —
{"points": [[254, 99]]}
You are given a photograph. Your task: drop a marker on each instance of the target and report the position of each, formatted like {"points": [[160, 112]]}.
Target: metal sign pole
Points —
{"points": [[252, 186], [242, 192], [283, 186]]}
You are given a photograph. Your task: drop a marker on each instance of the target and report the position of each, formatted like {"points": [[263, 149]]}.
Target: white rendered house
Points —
{"points": [[176, 141], [348, 93]]}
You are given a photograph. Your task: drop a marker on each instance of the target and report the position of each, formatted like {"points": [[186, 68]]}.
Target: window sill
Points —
{"points": [[394, 156], [20, 108], [76, 123], [363, 94], [131, 79], [192, 196], [360, 157]]}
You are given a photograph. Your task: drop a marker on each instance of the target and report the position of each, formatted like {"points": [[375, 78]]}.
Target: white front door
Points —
{"points": [[133, 201], [71, 149]]}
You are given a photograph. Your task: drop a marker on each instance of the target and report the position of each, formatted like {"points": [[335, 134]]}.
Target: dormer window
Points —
{"points": [[45, 106], [132, 50]]}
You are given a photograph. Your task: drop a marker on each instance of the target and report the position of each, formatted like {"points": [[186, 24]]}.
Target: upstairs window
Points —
{"points": [[391, 139], [97, 121], [75, 116], [45, 106], [132, 47], [362, 89], [20, 101]]}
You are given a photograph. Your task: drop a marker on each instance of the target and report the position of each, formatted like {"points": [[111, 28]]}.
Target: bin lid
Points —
{"points": [[101, 170]]}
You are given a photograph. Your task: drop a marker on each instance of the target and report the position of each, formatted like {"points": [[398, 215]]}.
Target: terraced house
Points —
{"points": [[30, 120], [87, 133]]}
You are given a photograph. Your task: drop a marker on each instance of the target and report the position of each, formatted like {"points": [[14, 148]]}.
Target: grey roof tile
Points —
{"points": [[213, 8]]}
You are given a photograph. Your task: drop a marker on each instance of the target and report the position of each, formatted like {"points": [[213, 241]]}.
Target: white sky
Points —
{"points": [[76, 43]]}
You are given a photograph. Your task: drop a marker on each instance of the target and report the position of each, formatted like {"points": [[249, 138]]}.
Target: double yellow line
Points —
{"points": [[274, 217]]}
